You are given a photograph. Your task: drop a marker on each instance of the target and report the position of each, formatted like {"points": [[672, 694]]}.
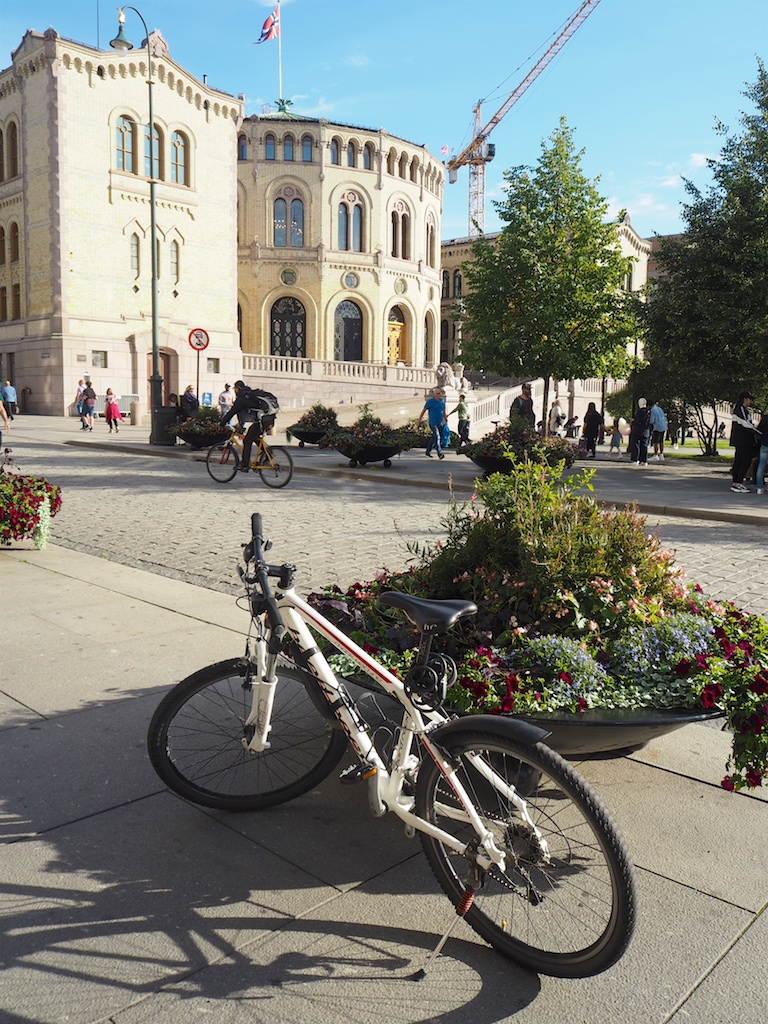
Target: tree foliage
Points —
{"points": [[545, 298], [708, 318]]}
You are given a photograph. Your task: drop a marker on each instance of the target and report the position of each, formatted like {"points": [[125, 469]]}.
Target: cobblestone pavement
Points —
{"points": [[168, 517]]}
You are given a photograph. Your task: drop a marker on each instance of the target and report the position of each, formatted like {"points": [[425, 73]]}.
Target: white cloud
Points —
{"points": [[673, 181], [357, 60], [698, 160]]}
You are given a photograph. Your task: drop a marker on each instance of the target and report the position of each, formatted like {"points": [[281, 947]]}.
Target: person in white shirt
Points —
{"points": [[226, 399]]}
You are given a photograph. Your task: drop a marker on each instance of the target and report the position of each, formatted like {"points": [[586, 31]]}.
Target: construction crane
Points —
{"points": [[479, 152]]}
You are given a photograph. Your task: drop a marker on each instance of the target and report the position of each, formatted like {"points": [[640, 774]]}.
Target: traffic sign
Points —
{"points": [[199, 339]]}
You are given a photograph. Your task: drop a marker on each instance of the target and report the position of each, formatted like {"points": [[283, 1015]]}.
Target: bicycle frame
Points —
{"points": [[386, 785], [259, 449]]}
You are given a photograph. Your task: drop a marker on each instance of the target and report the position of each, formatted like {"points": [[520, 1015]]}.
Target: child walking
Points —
{"points": [[112, 411]]}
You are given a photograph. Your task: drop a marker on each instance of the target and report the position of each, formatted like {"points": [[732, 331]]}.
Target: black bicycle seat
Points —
{"points": [[428, 616]]}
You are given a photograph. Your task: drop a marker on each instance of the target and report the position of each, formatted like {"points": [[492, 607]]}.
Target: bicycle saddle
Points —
{"points": [[428, 616]]}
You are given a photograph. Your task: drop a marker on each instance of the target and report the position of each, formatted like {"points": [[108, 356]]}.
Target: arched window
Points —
{"points": [[351, 222], [242, 147], [335, 155], [404, 165], [125, 144], [427, 341], [368, 156], [135, 255], [306, 149], [16, 302], [405, 231], [2, 158], [414, 169], [13, 237], [280, 224], [457, 284], [391, 161], [348, 332], [3, 304], [401, 231], [430, 243], [297, 223], [351, 154], [281, 234], [2, 247], [13, 153], [179, 159], [444, 342], [174, 262], [269, 147], [153, 154], [288, 147], [288, 328], [446, 294]]}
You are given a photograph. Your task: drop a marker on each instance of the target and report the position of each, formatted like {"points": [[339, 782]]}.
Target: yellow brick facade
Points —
{"points": [[360, 285], [84, 260]]}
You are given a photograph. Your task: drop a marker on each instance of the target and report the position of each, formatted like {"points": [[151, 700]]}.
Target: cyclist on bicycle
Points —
{"points": [[252, 406]]}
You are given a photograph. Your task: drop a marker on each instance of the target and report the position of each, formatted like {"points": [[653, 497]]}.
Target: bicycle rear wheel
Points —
{"points": [[277, 467], [197, 734], [222, 462], [571, 916]]}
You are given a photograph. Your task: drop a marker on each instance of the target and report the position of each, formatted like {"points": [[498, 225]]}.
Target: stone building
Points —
{"points": [[338, 251], [75, 253]]}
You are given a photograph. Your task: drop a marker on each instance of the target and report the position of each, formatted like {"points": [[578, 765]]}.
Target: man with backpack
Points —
{"points": [[256, 408]]}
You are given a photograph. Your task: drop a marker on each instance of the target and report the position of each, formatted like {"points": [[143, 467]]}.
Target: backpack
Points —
{"points": [[265, 404]]}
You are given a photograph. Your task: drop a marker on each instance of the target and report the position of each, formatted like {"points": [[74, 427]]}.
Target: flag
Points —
{"points": [[271, 27], [444, 151]]}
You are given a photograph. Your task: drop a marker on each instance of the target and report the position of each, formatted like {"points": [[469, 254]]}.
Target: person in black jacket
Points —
{"points": [[640, 434], [593, 421], [523, 406], [744, 438], [248, 406]]}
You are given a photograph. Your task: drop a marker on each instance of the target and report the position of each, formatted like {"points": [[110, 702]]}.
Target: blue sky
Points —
{"points": [[642, 81]]}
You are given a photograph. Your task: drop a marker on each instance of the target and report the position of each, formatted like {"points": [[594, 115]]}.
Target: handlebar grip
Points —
{"points": [[256, 527]]}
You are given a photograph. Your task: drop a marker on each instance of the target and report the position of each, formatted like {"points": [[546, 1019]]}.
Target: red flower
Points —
{"points": [[711, 694], [754, 778], [565, 677], [760, 684], [581, 704], [727, 783], [683, 667]]}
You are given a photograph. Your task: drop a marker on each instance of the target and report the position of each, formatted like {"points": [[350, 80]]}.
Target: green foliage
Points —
{"points": [[367, 430], [544, 298], [708, 318], [27, 505], [517, 442], [318, 417], [206, 421]]}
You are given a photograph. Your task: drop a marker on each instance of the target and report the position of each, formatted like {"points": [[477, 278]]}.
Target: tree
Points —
{"points": [[708, 318], [545, 298]]}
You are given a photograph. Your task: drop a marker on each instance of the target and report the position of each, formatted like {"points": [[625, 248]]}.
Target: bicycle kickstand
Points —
{"points": [[471, 887]]}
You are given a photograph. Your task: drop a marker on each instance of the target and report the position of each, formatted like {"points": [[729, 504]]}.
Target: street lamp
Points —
{"points": [[123, 45]]}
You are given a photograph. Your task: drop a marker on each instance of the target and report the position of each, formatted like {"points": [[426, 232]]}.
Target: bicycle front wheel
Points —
{"points": [[568, 911], [222, 462], [275, 466], [197, 740]]}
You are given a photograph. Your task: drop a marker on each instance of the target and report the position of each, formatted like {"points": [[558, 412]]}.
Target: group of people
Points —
{"points": [[750, 445], [437, 421], [85, 401]]}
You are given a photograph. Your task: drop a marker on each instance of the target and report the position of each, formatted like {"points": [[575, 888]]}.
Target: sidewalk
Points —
{"points": [[678, 487], [122, 903]]}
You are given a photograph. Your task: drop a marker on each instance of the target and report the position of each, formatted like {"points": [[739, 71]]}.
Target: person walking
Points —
{"points": [[762, 460], [434, 407], [523, 407], [3, 421], [615, 446], [112, 413], [659, 427], [556, 419], [189, 402], [226, 399], [462, 410], [744, 438], [79, 401], [8, 392], [89, 404], [593, 422], [639, 434]]}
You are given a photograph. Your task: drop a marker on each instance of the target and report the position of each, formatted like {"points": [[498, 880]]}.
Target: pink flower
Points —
{"points": [[754, 778]]}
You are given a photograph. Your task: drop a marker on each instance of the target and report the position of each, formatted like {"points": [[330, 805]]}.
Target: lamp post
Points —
{"points": [[123, 45]]}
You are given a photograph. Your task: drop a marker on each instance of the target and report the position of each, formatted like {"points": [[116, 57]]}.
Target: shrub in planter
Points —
{"points": [[579, 608], [368, 431], [318, 419], [204, 427], [518, 441]]}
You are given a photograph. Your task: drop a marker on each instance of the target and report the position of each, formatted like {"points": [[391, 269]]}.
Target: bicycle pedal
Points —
{"points": [[357, 773]]}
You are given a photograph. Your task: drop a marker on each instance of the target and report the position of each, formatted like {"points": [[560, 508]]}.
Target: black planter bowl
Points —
{"points": [[369, 453], [306, 436], [492, 464], [200, 441], [597, 732]]}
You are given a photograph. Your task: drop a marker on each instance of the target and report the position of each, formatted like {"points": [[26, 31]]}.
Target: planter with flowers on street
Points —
{"points": [[312, 427], [584, 623], [27, 505], [368, 439], [201, 430]]}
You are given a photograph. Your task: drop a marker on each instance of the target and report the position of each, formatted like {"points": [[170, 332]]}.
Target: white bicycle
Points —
{"points": [[522, 846]]}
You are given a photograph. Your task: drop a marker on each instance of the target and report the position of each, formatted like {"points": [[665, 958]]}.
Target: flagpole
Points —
{"points": [[279, 52]]}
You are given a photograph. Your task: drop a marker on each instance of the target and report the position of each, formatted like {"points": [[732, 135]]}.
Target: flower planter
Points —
{"points": [[598, 732], [304, 436], [199, 441], [369, 453], [492, 464]]}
